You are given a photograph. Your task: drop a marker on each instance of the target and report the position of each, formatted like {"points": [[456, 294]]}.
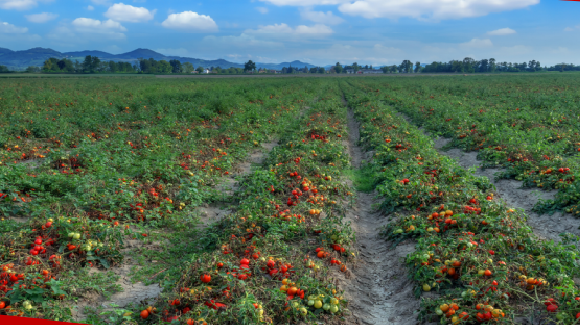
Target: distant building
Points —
{"points": [[370, 71]]}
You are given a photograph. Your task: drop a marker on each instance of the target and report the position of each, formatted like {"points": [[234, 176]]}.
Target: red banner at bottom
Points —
{"points": [[15, 320]]}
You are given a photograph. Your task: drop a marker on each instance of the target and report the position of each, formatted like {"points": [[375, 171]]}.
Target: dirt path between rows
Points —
{"points": [[139, 292], [546, 226], [215, 212], [379, 290]]}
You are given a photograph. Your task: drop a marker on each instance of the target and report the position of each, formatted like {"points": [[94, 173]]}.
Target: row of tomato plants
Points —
{"points": [[477, 254], [148, 160], [528, 127], [86, 223], [274, 255]]}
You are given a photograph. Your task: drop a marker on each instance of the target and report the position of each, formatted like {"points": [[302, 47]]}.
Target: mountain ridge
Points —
{"points": [[20, 60]]}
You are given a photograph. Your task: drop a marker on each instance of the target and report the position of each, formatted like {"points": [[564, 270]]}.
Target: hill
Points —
{"points": [[20, 60]]}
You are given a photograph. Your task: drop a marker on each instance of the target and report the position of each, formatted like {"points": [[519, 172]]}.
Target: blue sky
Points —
{"points": [[321, 32]]}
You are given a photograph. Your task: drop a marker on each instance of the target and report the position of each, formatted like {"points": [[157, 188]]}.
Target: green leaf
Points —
{"points": [[104, 262]]}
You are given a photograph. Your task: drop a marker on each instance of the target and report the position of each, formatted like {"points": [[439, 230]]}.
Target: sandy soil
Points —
{"points": [[378, 288], [510, 191], [132, 292], [210, 213], [138, 292]]}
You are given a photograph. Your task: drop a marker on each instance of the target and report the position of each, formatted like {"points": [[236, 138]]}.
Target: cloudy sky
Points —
{"points": [[321, 32]]}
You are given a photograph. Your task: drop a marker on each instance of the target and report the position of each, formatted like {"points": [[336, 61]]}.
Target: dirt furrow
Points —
{"points": [[511, 192], [210, 213], [379, 290], [138, 292]]}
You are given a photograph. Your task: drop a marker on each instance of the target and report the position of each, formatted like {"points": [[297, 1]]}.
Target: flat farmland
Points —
{"points": [[348, 200]]}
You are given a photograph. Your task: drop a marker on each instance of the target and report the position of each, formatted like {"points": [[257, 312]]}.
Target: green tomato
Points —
{"points": [[326, 307], [318, 304], [310, 302], [76, 235], [334, 309], [303, 311]]}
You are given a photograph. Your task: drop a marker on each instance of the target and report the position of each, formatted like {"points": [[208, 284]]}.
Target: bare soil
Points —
{"points": [[545, 226], [378, 288], [511, 192], [139, 292], [210, 213]]}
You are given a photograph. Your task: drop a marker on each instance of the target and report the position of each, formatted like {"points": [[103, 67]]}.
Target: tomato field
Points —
{"points": [[99, 175]]}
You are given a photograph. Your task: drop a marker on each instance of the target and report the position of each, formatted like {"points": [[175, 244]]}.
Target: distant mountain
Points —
{"points": [[141, 53], [5, 51], [20, 60], [82, 54]]}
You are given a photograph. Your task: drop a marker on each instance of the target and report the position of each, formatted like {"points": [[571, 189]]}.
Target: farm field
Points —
{"points": [[286, 200]]}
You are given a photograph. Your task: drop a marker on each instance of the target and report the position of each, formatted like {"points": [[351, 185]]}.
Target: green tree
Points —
{"points": [[32, 69], [250, 66], [187, 67], [164, 67], [338, 67], [406, 66], [47, 65], [175, 66], [95, 64], [113, 66], [199, 69], [417, 66], [484, 65], [492, 66]]}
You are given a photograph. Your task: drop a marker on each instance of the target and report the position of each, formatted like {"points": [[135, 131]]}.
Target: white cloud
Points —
{"points": [[90, 7], [321, 17], [123, 12], [570, 29], [317, 29], [41, 18], [190, 21], [477, 43], [20, 4], [501, 31], [429, 9], [109, 28], [93, 24], [6, 28], [418, 9], [262, 10], [304, 2]]}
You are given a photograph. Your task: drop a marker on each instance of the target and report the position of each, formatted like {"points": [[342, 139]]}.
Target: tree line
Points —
{"points": [[93, 64], [469, 65]]}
